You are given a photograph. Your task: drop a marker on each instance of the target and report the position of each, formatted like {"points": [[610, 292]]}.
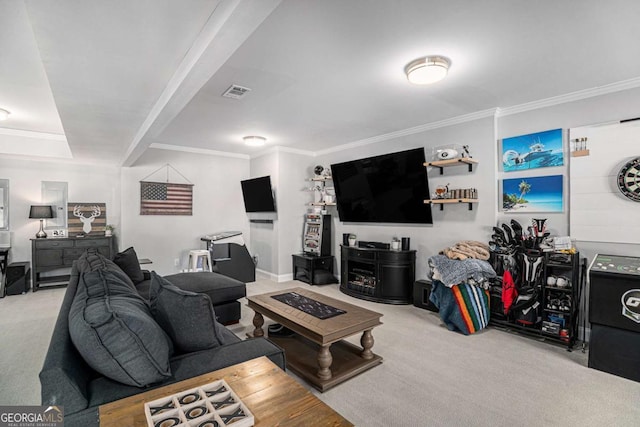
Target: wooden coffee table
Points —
{"points": [[318, 352], [274, 398]]}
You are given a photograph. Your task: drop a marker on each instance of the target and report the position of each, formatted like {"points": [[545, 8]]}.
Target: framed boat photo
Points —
{"points": [[532, 151]]}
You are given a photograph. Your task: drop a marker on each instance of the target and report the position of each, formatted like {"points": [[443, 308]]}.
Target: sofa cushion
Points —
{"points": [[187, 317], [113, 330], [128, 262], [92, 260], [220, 288]]}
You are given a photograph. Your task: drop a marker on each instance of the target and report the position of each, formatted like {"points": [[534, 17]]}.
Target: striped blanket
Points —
{"points": [[463, 307]]}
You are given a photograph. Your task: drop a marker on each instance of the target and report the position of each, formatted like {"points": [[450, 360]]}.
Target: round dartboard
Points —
{"points": [[629, 179]]}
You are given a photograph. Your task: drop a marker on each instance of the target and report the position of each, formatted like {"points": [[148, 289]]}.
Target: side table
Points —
{"points": [[4, 257], [312, 269]]}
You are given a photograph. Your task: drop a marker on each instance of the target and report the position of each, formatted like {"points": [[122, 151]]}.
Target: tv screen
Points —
{"points": [[387, 189], [257, 195]]}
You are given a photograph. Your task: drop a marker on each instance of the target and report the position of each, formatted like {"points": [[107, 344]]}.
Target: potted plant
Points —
{"points": [[352, 239], [395, 244], [108, 229]]}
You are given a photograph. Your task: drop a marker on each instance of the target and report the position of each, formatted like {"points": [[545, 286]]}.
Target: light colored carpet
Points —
{"points": [[26, 325], [430, 376]]}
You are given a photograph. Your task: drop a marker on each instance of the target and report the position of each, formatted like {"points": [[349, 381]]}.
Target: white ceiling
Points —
{"points": [[111, 78]]}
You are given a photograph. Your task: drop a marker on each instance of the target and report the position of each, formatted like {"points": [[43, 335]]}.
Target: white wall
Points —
{"points": [[87, 183], [264, 236], [217, 206], [218, 202], [601, 109], [455, 222], [292, 199]]}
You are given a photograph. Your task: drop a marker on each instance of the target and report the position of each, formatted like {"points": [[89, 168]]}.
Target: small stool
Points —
{"points": [[199, 254]]}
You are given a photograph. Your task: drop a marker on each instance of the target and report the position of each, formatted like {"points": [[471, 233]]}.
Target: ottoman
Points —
{"points": [[224, 292]]}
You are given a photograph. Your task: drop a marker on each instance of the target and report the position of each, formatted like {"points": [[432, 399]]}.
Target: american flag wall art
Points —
{"points": [[164, 198]]}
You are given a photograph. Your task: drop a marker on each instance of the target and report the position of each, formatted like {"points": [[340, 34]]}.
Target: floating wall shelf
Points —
{"points": [[443, 202], [441, 164], [322, 204]]}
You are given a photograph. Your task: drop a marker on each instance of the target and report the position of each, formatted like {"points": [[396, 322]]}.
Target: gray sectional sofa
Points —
{"points": [[67, 379]]}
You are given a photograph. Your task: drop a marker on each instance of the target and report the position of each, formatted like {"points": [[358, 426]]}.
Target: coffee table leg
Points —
{"points": [[367, 343], [324, 361], [258, 321]]}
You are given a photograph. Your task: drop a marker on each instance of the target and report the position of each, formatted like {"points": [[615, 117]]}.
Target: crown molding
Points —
{"points": [[492, 112], [570, 97], [410, 131], [33, 134], [283, 149], [198, 151]]}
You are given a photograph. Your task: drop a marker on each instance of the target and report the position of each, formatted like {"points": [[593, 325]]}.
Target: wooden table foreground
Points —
{"points": [[274, 398]]}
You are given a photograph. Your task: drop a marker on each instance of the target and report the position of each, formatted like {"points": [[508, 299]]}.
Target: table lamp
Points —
{"points": [[41, 213]]}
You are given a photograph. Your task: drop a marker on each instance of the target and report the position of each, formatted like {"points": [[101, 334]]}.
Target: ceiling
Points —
{"points": [[91, 81]]}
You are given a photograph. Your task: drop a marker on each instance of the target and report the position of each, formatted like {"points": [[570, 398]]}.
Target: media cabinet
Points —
{"points": [[379, 275]]}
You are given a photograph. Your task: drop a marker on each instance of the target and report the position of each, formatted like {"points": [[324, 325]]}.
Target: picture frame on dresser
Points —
{"points": [[86, 219]]}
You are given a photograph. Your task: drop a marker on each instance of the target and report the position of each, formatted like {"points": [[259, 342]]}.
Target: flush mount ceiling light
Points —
{"points": [[427, 70], [255, 141], [4, 114]]}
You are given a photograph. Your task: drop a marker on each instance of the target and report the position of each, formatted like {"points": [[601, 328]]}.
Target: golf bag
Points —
{"points": [[527, 309]]}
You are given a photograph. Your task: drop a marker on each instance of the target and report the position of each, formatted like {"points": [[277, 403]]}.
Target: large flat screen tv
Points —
{"points": [[257, 194], [385, 189]]}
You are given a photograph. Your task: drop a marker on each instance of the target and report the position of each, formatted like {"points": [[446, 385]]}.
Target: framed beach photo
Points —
{"points": [[533, 194], [532, 151]]}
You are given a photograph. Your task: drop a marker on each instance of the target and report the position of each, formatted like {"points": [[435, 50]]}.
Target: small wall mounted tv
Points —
{"points": [[258, 195], [390, 188]]}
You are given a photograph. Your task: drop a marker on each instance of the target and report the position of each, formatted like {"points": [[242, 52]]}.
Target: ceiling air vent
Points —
{"points": [[236, 92]]}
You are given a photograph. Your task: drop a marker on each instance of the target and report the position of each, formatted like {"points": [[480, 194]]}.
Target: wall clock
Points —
{"points": [[629, 179]]}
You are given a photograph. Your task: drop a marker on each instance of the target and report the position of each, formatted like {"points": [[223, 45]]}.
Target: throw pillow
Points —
{"points": [[112, 328], [92, 260], [187, 317], [127, 260]]}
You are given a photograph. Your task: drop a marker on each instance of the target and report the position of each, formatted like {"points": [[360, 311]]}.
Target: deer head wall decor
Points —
{"points": [[86, 222]]}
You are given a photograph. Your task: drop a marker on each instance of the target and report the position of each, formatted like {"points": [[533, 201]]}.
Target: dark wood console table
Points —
{"points": [[59, 253], [380, 275]]}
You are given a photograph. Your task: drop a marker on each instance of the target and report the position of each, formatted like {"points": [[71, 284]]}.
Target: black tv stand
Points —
{"points": [[379, 275]]}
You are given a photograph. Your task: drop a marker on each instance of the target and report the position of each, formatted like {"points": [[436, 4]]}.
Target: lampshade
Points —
{"points": [[4, 114], [40, 212], [427, 70], [255, 141]]}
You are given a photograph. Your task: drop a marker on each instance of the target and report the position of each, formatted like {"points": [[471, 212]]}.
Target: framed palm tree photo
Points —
{"points": [[533, 194]]}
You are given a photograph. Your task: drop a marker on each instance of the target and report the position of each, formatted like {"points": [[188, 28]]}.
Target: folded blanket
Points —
{"points": [[467, 249], [463, 307], [451, 271]]}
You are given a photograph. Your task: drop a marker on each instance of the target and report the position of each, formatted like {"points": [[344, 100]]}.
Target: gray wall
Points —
{"points": [[455, 222], [601, 109], [264, 237], [218, 199], [291, 198], [217, 206], [87, 183], [275, 243]]}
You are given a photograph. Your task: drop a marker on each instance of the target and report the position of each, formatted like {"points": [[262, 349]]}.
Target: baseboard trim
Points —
{"points": [[275, 277], [285, 277]]}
